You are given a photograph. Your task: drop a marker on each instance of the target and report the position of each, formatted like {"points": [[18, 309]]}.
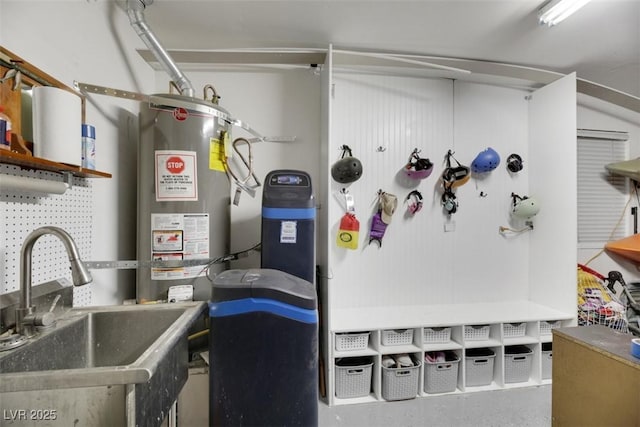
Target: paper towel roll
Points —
{"points": [[57, 121]]}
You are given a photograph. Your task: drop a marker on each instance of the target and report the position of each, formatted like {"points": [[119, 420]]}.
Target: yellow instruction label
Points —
{"points": [[216, 155]]}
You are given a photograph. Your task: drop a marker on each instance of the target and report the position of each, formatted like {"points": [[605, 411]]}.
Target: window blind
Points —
{"points": [[601, 195]]}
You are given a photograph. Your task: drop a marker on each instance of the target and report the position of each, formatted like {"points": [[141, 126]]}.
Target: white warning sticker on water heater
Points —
{"points": [[179, 236], [176, 176]]}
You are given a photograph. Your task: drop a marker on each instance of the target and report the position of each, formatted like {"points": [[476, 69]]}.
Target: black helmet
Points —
{"points": [[514, 163], [347, 169]]}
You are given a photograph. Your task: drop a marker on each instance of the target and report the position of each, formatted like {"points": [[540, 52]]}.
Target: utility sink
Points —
{"points": [[135, 353]]}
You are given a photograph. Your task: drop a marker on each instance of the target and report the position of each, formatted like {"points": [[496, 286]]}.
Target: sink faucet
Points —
{"points": [[26, 319]]}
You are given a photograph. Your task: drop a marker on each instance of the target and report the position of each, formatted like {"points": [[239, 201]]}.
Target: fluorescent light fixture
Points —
{"points": [[555, 11]]}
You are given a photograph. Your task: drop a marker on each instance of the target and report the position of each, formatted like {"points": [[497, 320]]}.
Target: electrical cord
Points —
{"points": [[219, 260], [244, 182], [601, 251], [230, 257], [503, 229], [225, 258]]}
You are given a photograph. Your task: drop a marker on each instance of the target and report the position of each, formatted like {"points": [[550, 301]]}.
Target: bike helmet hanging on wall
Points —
{"points": [[514, 163], [453, 177], [418, 167], [524, 207], [485, 161], [348, 169]]}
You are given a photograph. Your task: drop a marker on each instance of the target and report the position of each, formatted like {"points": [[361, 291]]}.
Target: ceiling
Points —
{"points": [[601, 42]]}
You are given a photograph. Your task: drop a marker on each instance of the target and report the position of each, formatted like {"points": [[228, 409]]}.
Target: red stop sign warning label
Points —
{"points": [[175, 165], [176, 175]]}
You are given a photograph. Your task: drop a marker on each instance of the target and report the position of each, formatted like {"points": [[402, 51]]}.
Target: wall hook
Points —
{"points": [[381, 149]]}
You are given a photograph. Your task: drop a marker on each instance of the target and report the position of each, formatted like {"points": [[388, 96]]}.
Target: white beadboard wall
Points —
{"points": [[419, 263]]}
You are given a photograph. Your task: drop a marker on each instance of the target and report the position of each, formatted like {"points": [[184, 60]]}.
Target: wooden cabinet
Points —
{"points": [[596, 380]]}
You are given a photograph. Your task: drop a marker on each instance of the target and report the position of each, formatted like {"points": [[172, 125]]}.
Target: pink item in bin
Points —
{"points": [[435, 356]]}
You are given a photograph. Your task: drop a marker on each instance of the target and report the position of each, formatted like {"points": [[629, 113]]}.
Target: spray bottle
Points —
{"points": [[5, 130]]}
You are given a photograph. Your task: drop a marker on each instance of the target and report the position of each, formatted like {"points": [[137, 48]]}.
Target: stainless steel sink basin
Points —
{"points": [[93, 340], [136, 353]]}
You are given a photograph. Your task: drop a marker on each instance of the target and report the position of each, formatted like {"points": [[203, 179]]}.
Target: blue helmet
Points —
{"points": [[485, 161]]}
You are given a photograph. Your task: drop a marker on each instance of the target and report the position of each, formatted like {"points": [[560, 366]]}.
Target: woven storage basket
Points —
{"points": [[397, 336], [547, 354], [479, 364], [436, 335], [513, 330], [476, 332], [517, 363], [441, 377], [400, 383], [352, 341], [353, 377], [547, 325]]}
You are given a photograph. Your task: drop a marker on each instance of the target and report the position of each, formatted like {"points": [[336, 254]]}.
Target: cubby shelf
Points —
{"points": [[37, 163], [436, 269], [418, 348]]}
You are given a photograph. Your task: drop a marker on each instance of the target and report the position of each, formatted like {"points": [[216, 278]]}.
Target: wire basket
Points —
{"points": [[436, 335], [352, 341], [397, 336], [597, 305], [476, 332]]}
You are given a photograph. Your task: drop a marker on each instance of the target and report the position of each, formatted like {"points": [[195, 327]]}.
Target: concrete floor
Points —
{"points": [[517, 407], [522, 407]]}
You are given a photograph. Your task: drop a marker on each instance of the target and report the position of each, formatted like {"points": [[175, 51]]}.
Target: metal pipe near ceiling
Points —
{"points": [[135, 10]]}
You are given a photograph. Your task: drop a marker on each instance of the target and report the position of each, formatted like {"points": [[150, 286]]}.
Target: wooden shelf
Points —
{"points": [[38, 163]]}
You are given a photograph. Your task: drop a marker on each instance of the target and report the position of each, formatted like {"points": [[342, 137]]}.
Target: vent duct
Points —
{"points": [[135, 10]]}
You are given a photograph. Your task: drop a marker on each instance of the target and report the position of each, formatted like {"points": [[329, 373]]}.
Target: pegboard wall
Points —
{"points": [[24, 212]]}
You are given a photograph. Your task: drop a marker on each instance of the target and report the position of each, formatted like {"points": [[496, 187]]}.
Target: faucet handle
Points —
{"points": [[44, 319], [29, 322]]}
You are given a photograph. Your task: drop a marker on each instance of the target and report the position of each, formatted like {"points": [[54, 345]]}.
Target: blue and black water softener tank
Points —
{"points": [[288, 224], [263, 351]]}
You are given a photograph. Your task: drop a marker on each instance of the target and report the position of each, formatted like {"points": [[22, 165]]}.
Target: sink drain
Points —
{"points": [[12, 341]]}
